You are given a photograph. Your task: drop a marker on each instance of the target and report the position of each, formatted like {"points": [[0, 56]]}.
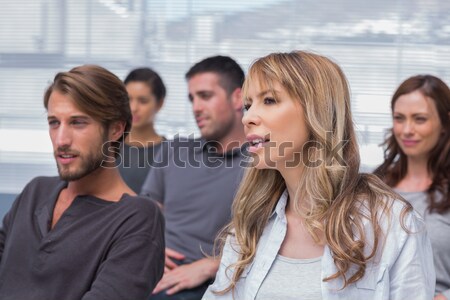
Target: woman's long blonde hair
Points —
{"points": [[334, 189]]}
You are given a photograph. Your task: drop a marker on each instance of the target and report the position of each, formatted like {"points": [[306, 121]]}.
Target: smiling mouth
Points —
{"points": [[409, 142]]}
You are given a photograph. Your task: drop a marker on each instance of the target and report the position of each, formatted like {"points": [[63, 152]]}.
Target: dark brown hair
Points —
{"points": [[151, 79], [230, 73], [97, 92], [395, 164]]}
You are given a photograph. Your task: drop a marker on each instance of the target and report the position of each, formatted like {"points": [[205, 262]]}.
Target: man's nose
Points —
{"points": [[63, 137], [197, 105]]}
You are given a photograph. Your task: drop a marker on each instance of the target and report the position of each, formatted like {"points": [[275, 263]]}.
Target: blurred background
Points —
{"points": [[377, 43]]}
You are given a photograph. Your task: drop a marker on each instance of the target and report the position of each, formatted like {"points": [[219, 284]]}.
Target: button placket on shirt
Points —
{"points": [[269, 254]]}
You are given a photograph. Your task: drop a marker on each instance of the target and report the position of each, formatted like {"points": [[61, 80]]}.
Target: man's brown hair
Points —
{"points": [[97, 92]]}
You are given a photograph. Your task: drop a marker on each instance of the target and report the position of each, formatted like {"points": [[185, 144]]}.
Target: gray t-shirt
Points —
{"points": [[135, 162], [290, 278], [196, 187], [438, 226]]}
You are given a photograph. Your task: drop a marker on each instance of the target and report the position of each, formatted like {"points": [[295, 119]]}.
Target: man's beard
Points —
{"points": [[88, 164]]}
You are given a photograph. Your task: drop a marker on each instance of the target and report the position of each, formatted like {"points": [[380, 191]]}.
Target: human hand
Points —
{"points": [[440, 297], [187, 276], [168, 263]]}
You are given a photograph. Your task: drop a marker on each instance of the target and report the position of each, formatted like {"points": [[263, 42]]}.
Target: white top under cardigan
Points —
{"points": [[402, 269]]}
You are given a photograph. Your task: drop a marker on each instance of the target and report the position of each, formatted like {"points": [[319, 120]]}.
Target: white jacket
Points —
{"points": [[402, 268]]}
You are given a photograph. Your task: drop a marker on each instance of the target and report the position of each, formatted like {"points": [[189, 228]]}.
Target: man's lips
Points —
{"points": [[201, 121], [65, 158]]}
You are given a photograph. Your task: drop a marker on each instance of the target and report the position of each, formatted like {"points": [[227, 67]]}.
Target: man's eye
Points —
{"points": [[78, 123], [206, 96]]}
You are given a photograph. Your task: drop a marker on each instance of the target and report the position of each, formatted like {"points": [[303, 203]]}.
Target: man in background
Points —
{"points": [[195, 180]]}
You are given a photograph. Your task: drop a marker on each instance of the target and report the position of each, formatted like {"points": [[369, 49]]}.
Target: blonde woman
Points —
{"points": [[305, 224]]}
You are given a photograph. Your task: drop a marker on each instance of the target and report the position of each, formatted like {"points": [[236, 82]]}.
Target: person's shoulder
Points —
{"points": [[398, 220], [231, 247], [179, 144], [408, 219], [43, 182], [389, 207], [185, 142], [142, 206], [138, 218], [38, 191]]}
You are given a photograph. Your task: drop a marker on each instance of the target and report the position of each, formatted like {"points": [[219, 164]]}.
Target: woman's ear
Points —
{"points": [[159, 105]]}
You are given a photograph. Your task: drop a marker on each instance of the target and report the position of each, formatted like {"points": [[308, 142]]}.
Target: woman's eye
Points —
{"points": [[421, 120], [144, 101], [398, 118], [247, 107], [269, 100]]}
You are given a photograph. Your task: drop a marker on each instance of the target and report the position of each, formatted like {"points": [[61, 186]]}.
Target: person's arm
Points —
{"points": [[154, 184], [134, 263], [7, 220], [3, 233], [224, 274], [445, 295], [188, 276], [412, 275]]}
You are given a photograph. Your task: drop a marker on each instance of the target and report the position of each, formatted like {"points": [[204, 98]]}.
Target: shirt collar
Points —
{"points": [[280, 208]]}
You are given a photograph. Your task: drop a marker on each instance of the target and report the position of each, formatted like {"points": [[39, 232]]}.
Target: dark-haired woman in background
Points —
{"points": [[147, 92], [417, 162]]}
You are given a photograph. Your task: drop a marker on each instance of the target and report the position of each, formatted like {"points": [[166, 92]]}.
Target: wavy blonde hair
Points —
{"points": [[334, 190]]}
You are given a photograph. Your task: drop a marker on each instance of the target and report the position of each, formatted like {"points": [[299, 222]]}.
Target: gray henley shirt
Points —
{"points": [[97, 250]]}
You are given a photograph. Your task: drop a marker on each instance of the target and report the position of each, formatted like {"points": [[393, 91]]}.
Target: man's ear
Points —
{"points": [[116, 130], [236, 98]]}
